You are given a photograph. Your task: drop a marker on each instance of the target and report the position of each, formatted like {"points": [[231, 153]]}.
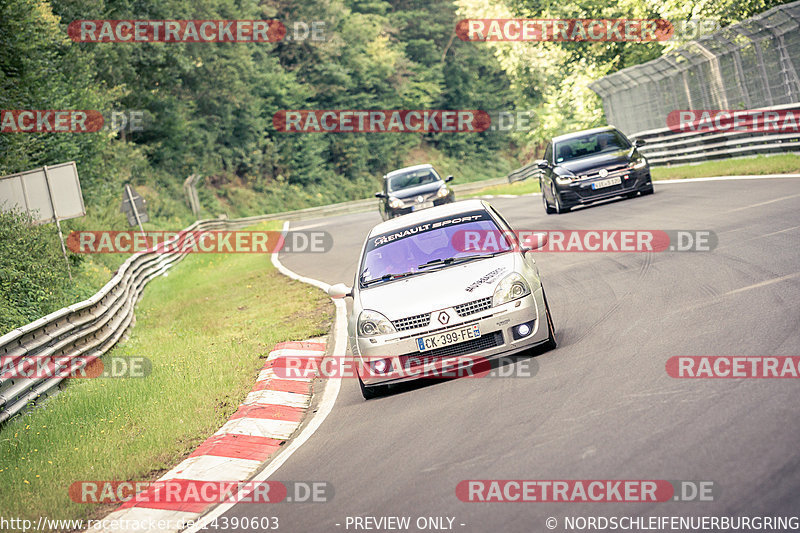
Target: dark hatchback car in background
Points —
{"points": [[586, 166], [413, 188]]}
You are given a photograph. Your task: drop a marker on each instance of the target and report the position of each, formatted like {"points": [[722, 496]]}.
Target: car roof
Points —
{"points": [[407, 169], [581, 133], [432, 213]]}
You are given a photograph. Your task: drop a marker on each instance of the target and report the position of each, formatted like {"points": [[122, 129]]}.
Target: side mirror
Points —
{"points": [[532, 241], [380, 195], [639, 142], [448, 179], [340, 290], [543, 164]]}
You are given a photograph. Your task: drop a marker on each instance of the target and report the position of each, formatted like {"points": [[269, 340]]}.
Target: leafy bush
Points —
{"points": [[33, 273]]}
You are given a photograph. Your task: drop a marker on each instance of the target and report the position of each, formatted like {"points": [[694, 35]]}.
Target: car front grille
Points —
{"points": [[613, 171], [485, 342], [475, 306], [412, 322]]}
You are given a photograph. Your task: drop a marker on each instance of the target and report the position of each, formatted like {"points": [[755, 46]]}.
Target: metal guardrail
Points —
{"points": [[665, 146], [83, 332]]}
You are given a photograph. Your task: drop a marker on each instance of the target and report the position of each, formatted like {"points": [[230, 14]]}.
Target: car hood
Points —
{"points": [[585, 164], [438, 289], [424, 189]]}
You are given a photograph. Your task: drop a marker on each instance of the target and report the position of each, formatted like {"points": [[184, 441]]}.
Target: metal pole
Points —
{"points": [[133, 206], [58, 224]]}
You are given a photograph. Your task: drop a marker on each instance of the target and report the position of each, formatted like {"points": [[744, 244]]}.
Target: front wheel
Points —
{"points": [[547, 209], [551, 343], [559, 208], [648, 191]]}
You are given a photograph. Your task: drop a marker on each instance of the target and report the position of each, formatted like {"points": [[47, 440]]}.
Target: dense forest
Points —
{"points": [[208, 107]]}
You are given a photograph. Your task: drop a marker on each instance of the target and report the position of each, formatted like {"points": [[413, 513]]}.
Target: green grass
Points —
{"points": [[206, 328], [762, 164], [759, 165], [518, 187]]}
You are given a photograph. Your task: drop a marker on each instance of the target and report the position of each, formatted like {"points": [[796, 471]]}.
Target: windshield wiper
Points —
{"points": [[454, 260], [386, 277]]}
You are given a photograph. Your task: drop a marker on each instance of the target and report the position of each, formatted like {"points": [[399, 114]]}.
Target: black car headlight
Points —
{"points": [[512, 287], [372, 323], [640, 163], [395, 203]]}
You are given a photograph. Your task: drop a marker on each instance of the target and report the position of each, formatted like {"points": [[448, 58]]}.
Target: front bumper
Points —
{"points": [[496, 340], [581, 192], [411, 207]]}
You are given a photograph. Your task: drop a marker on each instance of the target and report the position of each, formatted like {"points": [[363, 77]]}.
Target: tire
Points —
{"points": [[560, 209], [547, 209], [551, 342], [376, 391], [648, 191]]}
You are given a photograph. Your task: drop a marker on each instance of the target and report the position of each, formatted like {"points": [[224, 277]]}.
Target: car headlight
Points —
{"points": [[641, 163], [395, 203], [371, 323], [441, 193], [512, 287], [565, 180]]}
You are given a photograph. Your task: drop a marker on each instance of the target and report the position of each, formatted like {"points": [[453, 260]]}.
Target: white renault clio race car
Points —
{"points": [[429, 291]]}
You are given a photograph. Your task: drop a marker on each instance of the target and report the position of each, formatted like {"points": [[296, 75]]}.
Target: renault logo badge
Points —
{"points": [[444, 318]]}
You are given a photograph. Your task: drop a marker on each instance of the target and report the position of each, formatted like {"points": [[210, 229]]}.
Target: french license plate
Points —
{"points": [[448, 338], [606, 183], [423, 205]]}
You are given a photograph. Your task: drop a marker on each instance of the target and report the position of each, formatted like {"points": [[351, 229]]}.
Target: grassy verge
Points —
{"points": [[205, 327], [518, 187], [759, 165]]}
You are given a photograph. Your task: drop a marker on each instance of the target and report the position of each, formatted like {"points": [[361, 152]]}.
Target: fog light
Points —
{"points": [[522, 330], [381, 366]]}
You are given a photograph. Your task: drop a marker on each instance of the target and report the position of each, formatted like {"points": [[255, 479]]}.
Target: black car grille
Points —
{"points": [[412, 322], [612, 171], [485, 342], [475, 306]]}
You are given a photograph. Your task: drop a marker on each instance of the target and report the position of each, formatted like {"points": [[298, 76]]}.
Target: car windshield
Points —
{"points": [[412, 179], [431, 246], [588, 145]]}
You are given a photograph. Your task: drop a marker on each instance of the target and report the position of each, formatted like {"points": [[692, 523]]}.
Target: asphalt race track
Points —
{"points": [[600, 406]]}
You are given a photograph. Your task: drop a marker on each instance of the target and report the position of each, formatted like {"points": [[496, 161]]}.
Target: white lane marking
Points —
{"points": [[762, 284], [325, 406], [309, 226], [782, 198]]}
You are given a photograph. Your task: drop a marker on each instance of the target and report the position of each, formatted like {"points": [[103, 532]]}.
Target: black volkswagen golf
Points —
{"points": [[590, 165], [411, 189]]}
